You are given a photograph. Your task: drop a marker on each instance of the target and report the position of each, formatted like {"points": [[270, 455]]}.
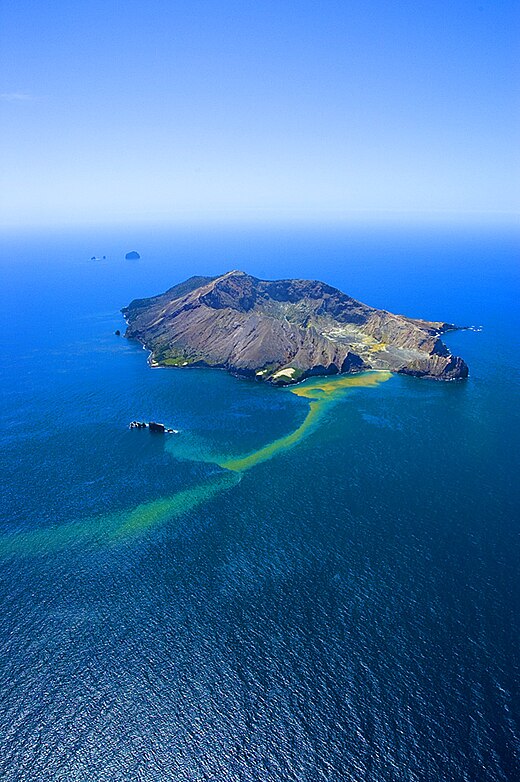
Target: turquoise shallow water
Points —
{"points": [[346, 609]]}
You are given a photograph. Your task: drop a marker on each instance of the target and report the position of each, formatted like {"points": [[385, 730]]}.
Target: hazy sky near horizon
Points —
{"points": [[212, 109]]}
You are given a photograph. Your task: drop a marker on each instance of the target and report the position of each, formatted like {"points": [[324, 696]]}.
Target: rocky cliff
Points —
{"points": [[282, 331]]}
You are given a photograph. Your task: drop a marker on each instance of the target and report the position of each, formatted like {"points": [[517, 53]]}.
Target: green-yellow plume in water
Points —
{"points": [[322, 393]]}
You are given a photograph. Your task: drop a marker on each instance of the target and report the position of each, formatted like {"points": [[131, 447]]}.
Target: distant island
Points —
{"points": [[132, 256], [284, 331]]}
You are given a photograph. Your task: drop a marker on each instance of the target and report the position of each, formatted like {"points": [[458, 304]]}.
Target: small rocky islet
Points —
{"points": [[283, 331], [153, 426]]}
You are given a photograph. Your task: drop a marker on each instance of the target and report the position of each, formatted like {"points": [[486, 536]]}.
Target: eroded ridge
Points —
{"points": [[283, 331]]}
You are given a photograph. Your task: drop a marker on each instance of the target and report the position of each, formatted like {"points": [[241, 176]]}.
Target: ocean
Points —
{"points": [[270, 595]]}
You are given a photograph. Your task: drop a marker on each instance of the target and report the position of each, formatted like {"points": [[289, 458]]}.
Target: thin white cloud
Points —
{"points": [[17, 97]]}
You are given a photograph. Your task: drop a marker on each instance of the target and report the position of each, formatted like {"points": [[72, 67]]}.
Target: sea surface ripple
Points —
{"points": [[242, 603]]}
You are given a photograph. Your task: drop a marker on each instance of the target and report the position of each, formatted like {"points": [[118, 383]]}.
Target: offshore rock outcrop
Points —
{"points": [[283, 331]]}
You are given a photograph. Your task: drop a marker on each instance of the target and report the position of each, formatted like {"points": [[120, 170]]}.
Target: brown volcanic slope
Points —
{"points": [[282, 331]]}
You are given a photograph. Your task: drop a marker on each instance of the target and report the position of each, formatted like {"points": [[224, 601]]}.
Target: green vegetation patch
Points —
{"points": [[172, 357]]}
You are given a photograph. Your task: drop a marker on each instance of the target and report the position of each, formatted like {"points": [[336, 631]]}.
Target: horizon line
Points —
{"points": [[267, 215]]}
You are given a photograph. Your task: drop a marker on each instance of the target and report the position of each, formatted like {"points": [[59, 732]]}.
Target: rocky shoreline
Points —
{"points": [[284, 331]]}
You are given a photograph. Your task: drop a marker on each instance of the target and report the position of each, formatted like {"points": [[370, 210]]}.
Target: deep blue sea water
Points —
{"points": [[345, 611]]}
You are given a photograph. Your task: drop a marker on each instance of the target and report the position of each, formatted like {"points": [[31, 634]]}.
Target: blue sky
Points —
{"points": [[174, 111]]}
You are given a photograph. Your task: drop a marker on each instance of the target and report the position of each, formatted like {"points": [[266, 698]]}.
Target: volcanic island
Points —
{"points": [[283, 331]]}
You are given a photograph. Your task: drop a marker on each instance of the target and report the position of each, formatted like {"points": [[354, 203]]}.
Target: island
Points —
{"points": [[132, 256], [283, 331]]}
